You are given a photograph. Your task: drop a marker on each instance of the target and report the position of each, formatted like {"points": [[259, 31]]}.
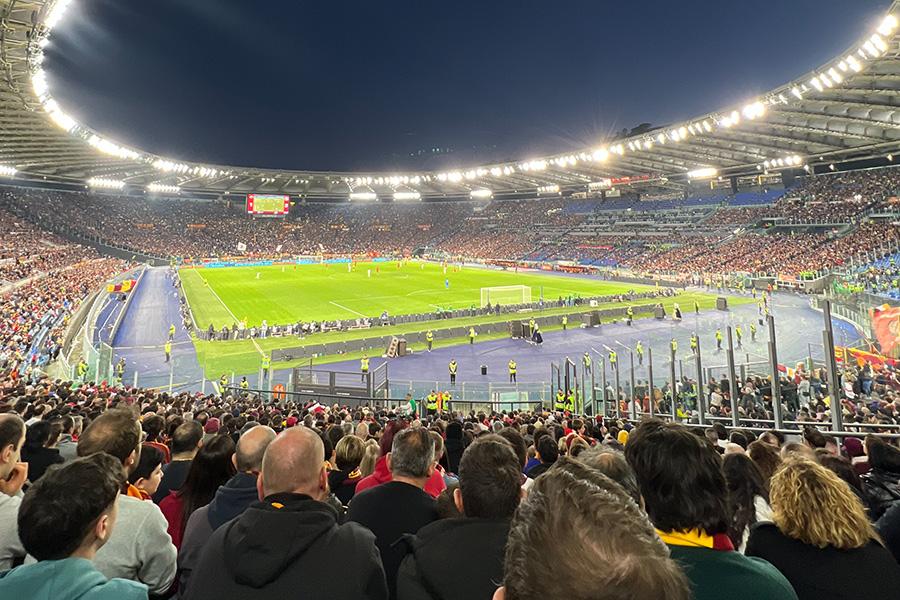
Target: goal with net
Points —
{"points": [[506, 294]]}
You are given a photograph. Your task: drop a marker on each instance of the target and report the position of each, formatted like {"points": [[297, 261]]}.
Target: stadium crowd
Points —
{"points": [[109, 492]]}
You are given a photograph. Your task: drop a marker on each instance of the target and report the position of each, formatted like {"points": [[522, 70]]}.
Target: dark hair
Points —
{"points": [[844, 469], [745, 483], [12, 428], [153, 426], [766, 458], [115, 432], [186, 437], [612, 463], [574, 516], [60, 509], [387, 438], [151, 458], [680, 477], [490, 478], [511, 435], [38, 435], [548, 449], [882, 455], [67, 423], [814, 437], [211, 467]]}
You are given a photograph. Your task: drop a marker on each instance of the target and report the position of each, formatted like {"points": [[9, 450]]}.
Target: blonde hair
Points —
{"points": [[370, 457], [812, 504]]}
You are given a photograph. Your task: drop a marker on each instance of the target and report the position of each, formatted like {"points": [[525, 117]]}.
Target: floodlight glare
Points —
{"points": [[704, 173], [407, 196], [481, 194], [364, 196], [7, 171], [108, 184]]}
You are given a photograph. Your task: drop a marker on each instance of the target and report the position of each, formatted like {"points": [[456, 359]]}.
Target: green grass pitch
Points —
{"points": [[327, 292]]}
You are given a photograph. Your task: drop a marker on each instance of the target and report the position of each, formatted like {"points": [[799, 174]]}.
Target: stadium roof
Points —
{"points": [[848, 108]]}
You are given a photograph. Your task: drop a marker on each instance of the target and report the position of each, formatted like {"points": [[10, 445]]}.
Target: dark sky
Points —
{"points": [[365, 85]]}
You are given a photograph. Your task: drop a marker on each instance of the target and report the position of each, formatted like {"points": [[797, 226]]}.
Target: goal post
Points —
{"points": [[506, 294]]}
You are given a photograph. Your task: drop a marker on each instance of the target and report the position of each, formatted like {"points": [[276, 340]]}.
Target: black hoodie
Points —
{"points": [[454, 559], [289, 546]]}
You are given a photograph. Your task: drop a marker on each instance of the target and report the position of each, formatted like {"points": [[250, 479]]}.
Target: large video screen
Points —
{"points": [[268, 204]]}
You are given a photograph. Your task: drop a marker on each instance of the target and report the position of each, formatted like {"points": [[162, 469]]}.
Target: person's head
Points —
{"points": [[115, 432], [813, 438], [745, 483], [766, 458], [349, 453], [71, 510], [148, 472], [490, 479], [438, 445], [812, 504], [841, 467], [574, 516], [612, 463], [798, 450], [412, 455], [38, 435], [371, 453], [387, 437], [251, 447], [67, 425], [294, 463], [211, 467], [12, 437], [186, 438], [547, 449], [153, 426], [882, 456], [515, 439], [680, 478]]}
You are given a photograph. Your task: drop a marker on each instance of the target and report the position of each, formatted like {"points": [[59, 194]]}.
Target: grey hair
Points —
{"points": [[412, 452]]}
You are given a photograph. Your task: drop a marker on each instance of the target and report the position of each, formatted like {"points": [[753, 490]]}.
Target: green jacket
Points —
{"points": [[67, 579], [718, 574]]}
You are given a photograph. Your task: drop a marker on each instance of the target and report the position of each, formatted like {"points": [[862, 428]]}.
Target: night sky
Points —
{"points": [[377, 85]]}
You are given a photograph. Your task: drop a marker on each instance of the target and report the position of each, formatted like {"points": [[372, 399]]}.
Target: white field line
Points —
{"points": [[347, 309], [233, 316]]}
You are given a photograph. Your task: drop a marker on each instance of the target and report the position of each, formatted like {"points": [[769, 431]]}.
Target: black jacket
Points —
{"points": [[882, 488], [289, 546], [454, 559], [39, 460], [343, 484], [827, 573], [231, 499], [888, 527]]}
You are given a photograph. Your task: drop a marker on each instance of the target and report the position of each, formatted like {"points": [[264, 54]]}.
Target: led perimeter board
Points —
{"points": [[268, 205]]}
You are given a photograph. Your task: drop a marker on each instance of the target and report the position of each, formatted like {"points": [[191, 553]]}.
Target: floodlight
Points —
{"points": [[7, 171], [704, 173], [364, 196], [407, 196], [103, 183], [888, 25], [481, 193], [548, 189], [162, 188]]}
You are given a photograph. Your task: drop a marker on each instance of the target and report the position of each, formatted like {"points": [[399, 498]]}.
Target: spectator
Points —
{"points": [[230, 501], [212, 466], [13, 474], [185, 443], [153, 426], [512, 435], [748, 497], [488, 494], [888, 527], [612, 463], [546, 452], [67, 445], [882, 483], [574, 516], [382, 473], [766, 458], [148, 472], [821, 538], [454, 445], [290, 545], [65, 519], [36, 451], [342, 481], [400, 506], [139, 549], [686, 497]]}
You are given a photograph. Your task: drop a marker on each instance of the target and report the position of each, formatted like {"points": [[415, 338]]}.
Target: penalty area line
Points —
{"points": [[347, 309]]}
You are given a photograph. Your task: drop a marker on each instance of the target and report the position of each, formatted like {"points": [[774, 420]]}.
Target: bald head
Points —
{"points": [[251, 447], [294, 463]]}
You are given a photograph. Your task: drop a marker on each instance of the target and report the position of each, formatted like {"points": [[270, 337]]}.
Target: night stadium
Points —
{"points": [[293, 309]]}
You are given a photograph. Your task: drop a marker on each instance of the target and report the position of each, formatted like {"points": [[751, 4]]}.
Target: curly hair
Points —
{"points": [[813, 505]]}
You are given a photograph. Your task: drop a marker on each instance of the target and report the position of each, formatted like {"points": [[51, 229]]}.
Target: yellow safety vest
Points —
{"points": [[245, 385], [168, 348], [471, 332], [560, 401], [612, 358], [266, 361], [223, 382], [512, 367], [639, 348], [364, 364], [429, 336], [674, 346], [431, 402], [693, 342], [452, 367]]}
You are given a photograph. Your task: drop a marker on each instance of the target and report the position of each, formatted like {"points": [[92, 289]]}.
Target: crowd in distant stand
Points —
{"points": [[134, 491]]}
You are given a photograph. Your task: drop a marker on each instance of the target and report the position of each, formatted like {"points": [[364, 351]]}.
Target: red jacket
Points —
{"points": [[171, 507], [433, 487]]}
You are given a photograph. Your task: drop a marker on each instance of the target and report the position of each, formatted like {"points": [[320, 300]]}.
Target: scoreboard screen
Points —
{"points": [[268, 204]]}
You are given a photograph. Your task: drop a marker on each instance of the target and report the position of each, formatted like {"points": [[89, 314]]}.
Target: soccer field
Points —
{"points": [[328, 291]]}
